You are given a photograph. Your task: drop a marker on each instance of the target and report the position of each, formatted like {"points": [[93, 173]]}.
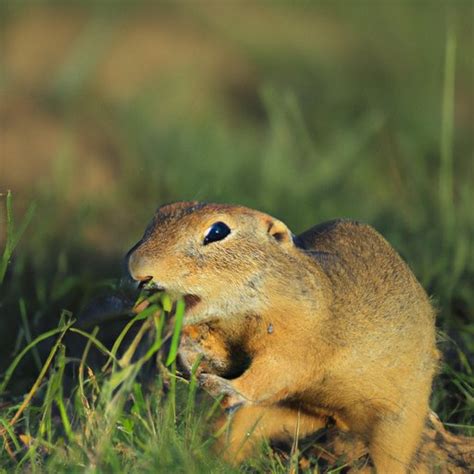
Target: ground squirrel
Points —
{"points": [[332, 321]]}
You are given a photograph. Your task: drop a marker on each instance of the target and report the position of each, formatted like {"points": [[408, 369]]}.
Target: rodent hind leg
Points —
{"points": [[393, 443], [250, 425]]}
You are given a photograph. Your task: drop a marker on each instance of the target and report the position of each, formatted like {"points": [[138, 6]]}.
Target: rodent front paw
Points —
{"points": [[216, 386]]}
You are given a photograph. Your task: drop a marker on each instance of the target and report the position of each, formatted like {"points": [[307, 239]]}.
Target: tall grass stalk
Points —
{"points": [[446, 191], [13, 235]]}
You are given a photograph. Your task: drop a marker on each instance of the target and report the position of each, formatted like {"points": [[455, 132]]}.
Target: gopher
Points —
{"points": [[332, 320]]}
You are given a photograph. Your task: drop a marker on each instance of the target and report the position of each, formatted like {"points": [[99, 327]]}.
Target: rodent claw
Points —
{"points": [[230, 410]]}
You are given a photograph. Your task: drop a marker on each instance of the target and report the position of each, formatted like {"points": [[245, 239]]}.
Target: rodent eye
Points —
{"points": [[217, 231]]}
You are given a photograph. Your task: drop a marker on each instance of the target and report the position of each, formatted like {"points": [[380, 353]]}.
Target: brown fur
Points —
{"points": [[438, 451], [333, 320]]}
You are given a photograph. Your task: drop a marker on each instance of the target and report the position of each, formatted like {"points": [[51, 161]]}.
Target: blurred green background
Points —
{"points": [[306, 110]]}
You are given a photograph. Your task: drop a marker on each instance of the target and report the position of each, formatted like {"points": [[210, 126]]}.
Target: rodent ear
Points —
{"points": [[280, 232]]}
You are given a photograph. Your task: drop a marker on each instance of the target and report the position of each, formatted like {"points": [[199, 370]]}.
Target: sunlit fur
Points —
{"points": [[335, 322]]}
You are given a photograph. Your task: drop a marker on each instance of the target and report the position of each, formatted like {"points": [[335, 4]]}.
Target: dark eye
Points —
{"points": [[217, 231]]}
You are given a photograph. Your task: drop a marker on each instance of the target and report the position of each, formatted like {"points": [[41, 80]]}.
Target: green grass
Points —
{"points": [[308, 112], [108, 420]]}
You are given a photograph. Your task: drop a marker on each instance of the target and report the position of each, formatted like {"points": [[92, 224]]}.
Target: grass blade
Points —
{"points": [[178, 323], [19, 357], [13, 238], [94, 340], [446, 153], [26, 327], [40, 377]]}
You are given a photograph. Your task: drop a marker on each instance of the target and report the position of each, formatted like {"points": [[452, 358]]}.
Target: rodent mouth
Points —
{"points": [[151, 288]]}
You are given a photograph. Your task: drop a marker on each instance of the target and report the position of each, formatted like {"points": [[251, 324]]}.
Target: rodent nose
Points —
{"points": [[135, 267], [134, 270]]}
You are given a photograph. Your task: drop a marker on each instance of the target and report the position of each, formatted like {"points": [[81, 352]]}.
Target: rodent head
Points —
{"points": [[216, 256]]}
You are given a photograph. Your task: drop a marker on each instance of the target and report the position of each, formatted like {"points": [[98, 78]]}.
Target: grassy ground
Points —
{"points": [[308, 112]]}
